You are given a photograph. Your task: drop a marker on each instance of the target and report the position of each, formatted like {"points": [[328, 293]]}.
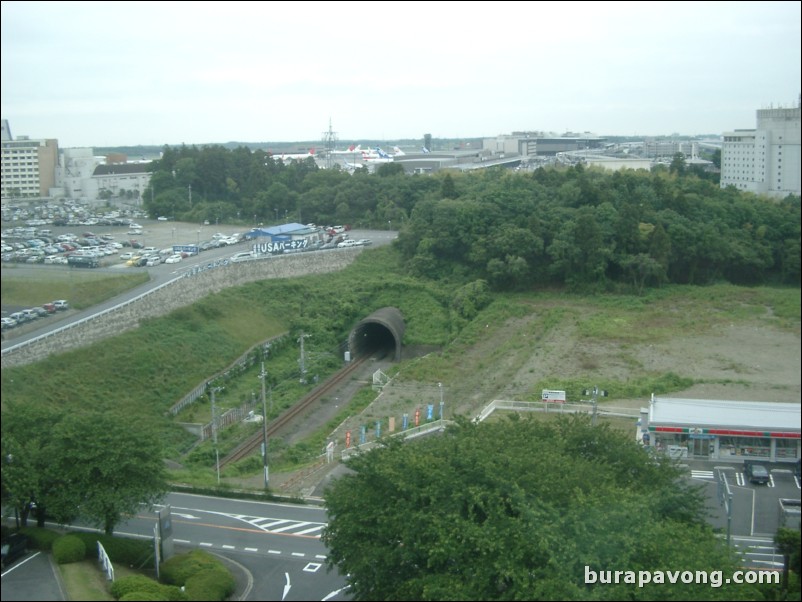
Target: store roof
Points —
{"points": [[768, 415]]}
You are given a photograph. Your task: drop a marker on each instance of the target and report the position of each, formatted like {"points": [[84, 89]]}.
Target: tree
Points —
{"points": [[787, 541], [103, 464], [519, 509], [678, 165]]}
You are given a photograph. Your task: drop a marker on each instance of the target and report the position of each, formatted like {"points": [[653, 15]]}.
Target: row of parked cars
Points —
{"points": [[34, 313]]}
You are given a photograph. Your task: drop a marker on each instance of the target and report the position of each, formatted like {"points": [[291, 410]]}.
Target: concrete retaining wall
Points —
{"points": [[178, 293]]}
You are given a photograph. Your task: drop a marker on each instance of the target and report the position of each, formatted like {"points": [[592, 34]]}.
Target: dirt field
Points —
{"points": [[751, 360]]}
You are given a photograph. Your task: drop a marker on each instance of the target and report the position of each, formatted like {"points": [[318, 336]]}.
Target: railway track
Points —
{"points": [[254, 442]]}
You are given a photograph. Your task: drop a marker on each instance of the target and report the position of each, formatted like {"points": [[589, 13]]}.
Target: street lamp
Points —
{"points": [[198, 237], [441, 399]]}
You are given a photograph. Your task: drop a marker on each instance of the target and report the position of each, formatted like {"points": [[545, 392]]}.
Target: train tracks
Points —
{"points": [[254, 443]]}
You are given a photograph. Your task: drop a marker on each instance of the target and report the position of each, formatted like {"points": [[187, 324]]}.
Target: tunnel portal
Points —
{"points": [[380, 334]]}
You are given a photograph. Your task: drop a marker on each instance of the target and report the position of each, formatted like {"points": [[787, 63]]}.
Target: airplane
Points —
{"points": [[376, 155], [284, 157], [351, 150]]}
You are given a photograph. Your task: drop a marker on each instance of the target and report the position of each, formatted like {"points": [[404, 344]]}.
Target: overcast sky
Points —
{"points": [[130, 73]]}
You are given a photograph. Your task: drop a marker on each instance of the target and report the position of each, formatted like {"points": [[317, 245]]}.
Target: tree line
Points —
{"points": [[584, 228]]}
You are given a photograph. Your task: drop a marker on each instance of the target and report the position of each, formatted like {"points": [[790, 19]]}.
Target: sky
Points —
{"points": [[156, 73]]}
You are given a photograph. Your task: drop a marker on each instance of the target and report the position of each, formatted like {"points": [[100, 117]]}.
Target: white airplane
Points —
{"points": [[285, 157], [350, 151], [376, 155]]}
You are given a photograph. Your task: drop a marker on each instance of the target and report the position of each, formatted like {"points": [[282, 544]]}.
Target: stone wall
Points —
{"points": [[178, 293]]}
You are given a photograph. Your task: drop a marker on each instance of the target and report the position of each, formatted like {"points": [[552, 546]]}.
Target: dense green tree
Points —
{"points": [[103, 465], [519, 509]]}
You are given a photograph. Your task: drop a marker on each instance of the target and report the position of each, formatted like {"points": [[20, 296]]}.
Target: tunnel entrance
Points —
{"points": [[378, 335]]}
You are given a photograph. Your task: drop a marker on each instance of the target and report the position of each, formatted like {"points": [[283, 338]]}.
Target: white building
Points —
{"points": [[765, 160], [725, 430], [28, 167]]}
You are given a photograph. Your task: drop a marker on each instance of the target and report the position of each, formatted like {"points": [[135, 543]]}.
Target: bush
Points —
{"points": [[135, 553], [139, 587], [211, 584], [40, 538], [68, 548], [178, 569]]}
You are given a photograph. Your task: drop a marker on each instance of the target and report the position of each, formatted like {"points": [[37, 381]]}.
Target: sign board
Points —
{"points": [[553, 396], [281, 246], [191, 249], [165, 522]]}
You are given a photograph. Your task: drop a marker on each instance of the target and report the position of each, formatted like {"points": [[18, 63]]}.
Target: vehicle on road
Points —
{"points": [[12, 548], [236, 257]]}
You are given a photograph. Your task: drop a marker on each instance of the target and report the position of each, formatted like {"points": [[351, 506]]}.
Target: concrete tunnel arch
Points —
{"points": [[381, 331]]}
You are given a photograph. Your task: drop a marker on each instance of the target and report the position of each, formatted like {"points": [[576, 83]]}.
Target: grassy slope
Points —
{"points": [[147, 370]]}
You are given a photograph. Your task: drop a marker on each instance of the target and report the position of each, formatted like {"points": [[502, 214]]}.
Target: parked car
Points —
{"points": [[364, 242], [61, 304], [12, 548], [347, 243], [173, 259], [50, 308], [755, 472], [9, 323], [126, 256]]}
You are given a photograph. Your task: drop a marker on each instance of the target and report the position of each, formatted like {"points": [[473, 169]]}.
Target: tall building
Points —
{"points": [[765, 160], [28, 167]]}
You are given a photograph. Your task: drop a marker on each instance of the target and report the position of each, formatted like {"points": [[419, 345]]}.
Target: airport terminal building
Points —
{"points": [[724, 430]]}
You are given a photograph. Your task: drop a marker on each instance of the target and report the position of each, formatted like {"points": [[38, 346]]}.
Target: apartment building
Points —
{"points": [[764, 160], [28, 167]]}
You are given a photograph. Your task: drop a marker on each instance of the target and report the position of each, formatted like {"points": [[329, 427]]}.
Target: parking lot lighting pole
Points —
{"points": [[441, 399]]}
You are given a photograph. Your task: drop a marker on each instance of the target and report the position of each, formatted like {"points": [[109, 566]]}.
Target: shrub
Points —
{"points": [[135, 553], [178, 569], [139, 587], [210, 584], [40, 538], [68, 548]]}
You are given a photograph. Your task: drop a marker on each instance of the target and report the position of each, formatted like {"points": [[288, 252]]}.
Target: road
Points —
{"points": [[278, 543], [158, 275], [275, 545]]}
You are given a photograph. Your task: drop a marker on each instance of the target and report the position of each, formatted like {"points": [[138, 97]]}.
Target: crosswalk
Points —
{"points": [[758, 553], [280, 525]]}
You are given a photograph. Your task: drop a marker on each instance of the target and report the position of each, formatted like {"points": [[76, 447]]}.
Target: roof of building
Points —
{"points": [[293, 228], [768, 415], [122, 169]]}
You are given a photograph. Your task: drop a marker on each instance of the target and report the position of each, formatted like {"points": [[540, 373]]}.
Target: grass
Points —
{"points": [[148, 369], [86, 581], [82, 288]]}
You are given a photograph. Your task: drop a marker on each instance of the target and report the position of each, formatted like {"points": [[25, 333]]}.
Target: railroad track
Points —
{"points": [[254, 443]]}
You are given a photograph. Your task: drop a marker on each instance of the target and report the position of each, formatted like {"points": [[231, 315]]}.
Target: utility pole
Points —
{"points": [[303, 359], [190, 196], [595, 392], [263, 376], [214, 435]]}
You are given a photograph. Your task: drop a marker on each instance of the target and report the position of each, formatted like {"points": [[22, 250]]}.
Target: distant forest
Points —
{"points": [[581, 227]]}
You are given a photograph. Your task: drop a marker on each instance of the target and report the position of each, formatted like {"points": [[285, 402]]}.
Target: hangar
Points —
{"points": [[380, 333]]}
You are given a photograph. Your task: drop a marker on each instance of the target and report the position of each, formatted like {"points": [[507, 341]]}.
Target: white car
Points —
{"points": [[173, 259], [236, 257], [126, 256], [347, 243]]}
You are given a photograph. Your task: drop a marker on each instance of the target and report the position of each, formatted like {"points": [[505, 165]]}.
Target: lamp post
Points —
{"points": [[441, 399], [199, 238]]}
